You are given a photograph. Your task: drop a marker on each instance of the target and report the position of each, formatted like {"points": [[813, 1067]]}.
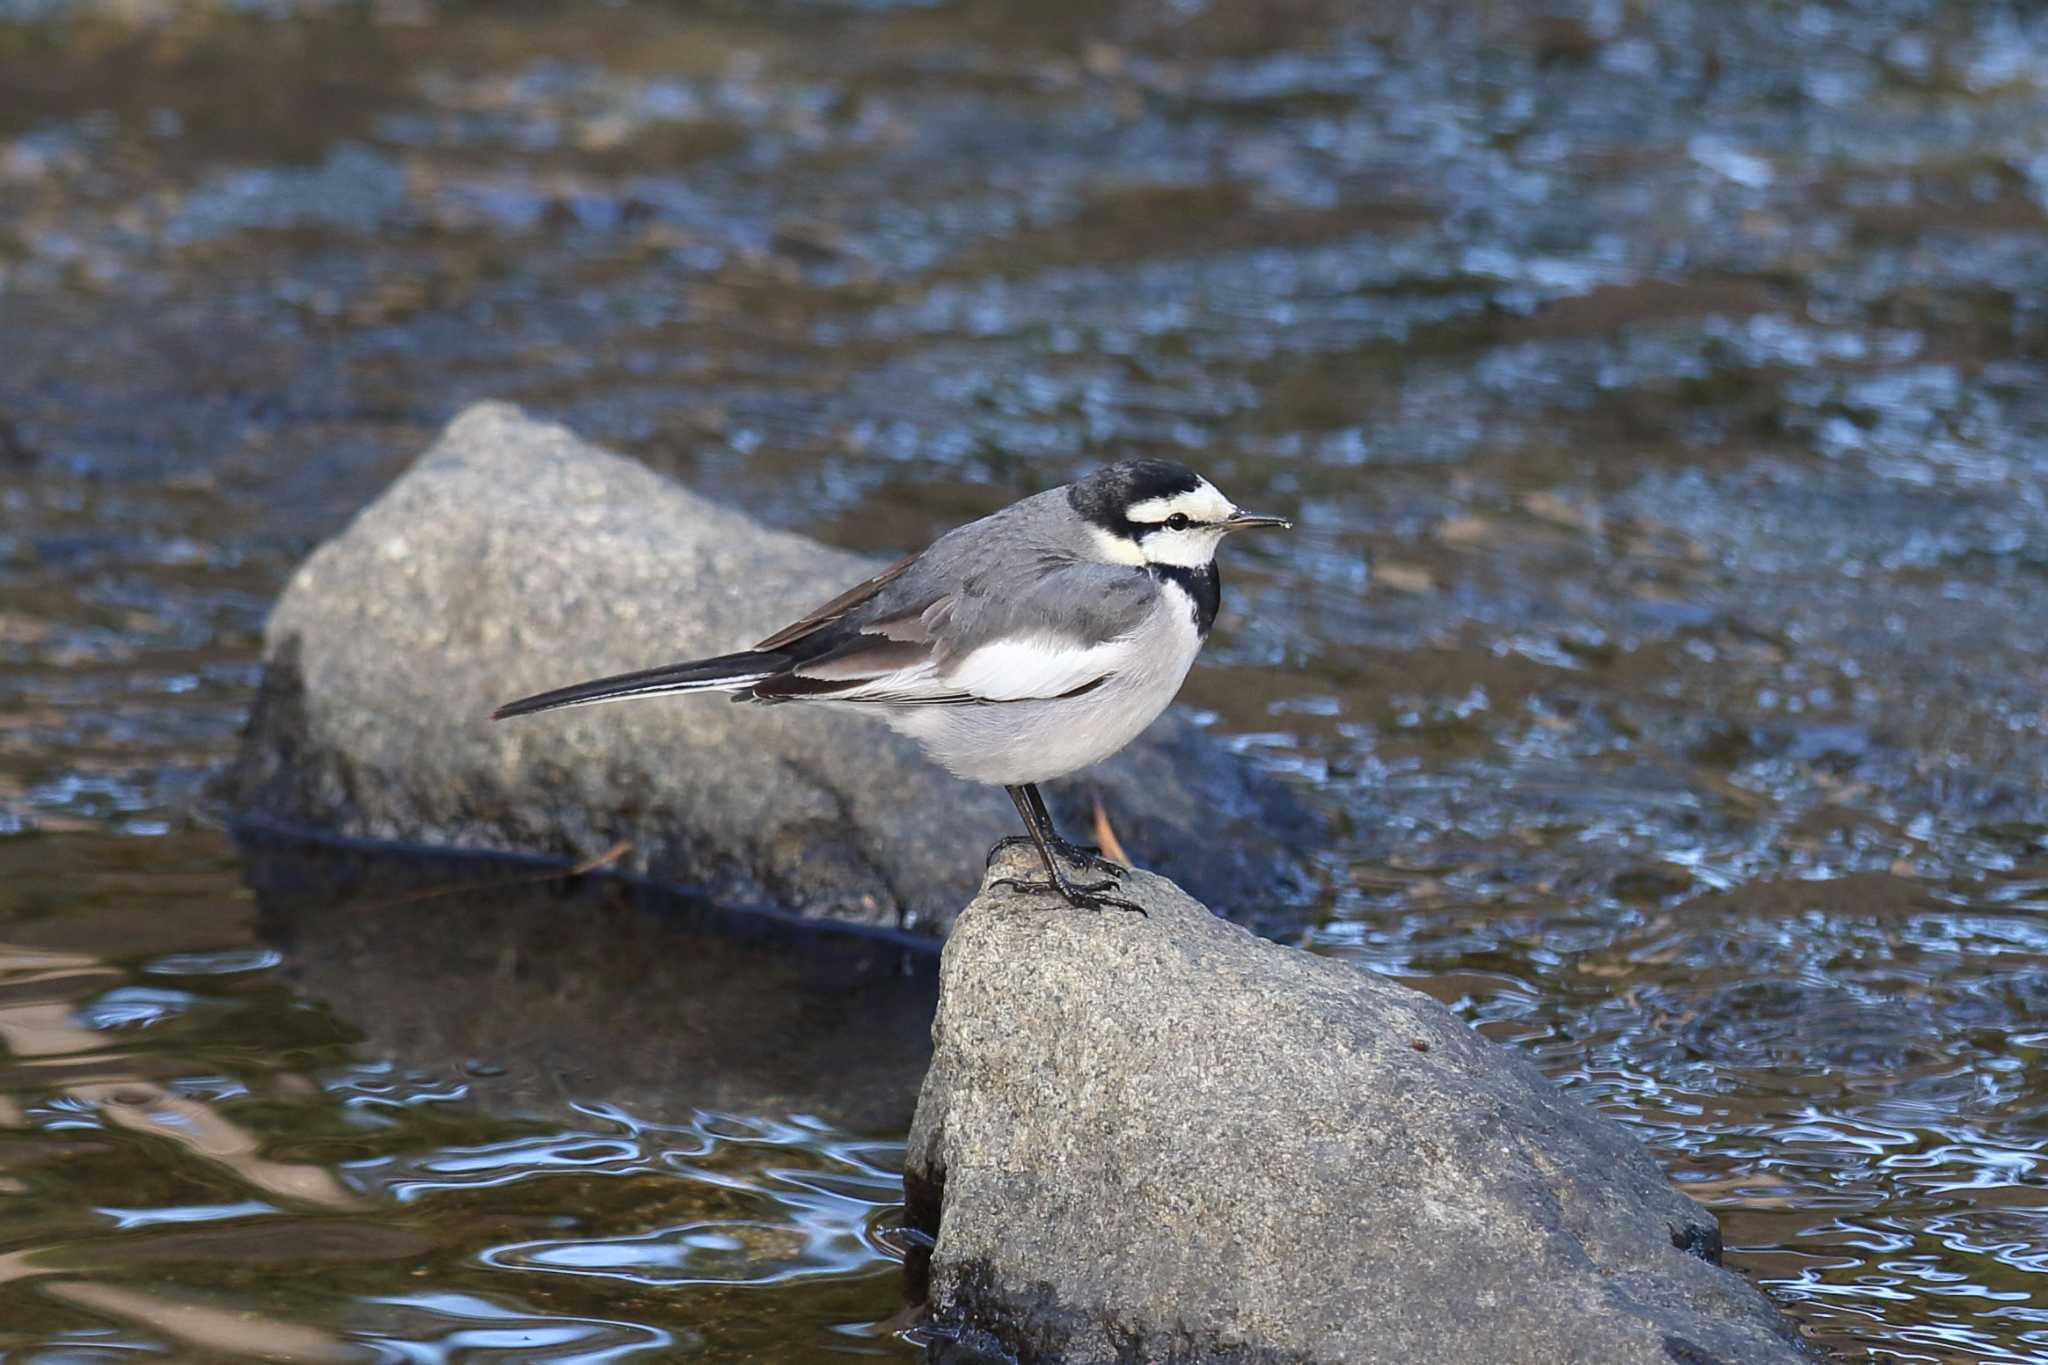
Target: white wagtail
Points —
{"points": [[1016, 649]]}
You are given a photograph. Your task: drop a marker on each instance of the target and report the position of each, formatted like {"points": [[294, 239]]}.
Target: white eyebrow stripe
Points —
{"points": [[1200, 503]]}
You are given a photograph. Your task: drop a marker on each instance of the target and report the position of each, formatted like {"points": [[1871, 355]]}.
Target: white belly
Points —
{"points": [[1007, 743]]}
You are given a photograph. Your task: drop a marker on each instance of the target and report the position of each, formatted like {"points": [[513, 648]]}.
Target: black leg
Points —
{"points": [[1036, 818], [1039, 813], [1075, 854], [1081, 895]]}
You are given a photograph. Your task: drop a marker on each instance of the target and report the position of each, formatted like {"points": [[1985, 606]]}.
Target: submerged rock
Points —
{"points": [[1162, 1138], [513, 557]]}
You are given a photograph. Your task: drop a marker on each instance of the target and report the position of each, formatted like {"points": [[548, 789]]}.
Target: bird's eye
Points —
{"points": [[1179, 521]]}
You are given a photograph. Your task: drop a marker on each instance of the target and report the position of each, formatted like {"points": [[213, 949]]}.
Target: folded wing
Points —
{"points": [[1071, 631], [1054, 630]]}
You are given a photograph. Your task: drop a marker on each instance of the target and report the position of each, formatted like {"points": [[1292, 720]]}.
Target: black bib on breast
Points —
{"points": [[1204, 587]]}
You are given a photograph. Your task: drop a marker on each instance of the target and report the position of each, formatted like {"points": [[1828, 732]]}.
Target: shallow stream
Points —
{"points": [[1658, 389]]}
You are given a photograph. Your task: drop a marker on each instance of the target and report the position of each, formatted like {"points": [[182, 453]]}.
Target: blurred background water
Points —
{"points": [[1659, 391]]}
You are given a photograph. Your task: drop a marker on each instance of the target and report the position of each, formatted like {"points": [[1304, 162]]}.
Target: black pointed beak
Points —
{"points": [[1245, 521]]}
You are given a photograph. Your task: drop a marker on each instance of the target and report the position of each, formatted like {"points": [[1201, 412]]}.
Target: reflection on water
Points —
{"points": [[231, 1167], [1657, 389], [554, 996]]}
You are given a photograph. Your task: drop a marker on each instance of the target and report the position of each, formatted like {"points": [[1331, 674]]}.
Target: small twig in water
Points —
{"points": [[593, 864]]}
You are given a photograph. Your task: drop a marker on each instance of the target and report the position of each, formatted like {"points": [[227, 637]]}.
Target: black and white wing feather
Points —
{"points": [[1068, 630], [918, 635]]}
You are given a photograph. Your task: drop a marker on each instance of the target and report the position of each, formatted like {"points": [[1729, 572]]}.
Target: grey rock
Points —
{"points": [[1164, 1139], [513, 557]]}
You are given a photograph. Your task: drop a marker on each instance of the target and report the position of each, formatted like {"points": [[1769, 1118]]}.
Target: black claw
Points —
{"points": [[1096, 902], [1008, 841], [1051, 850], [1095, 862], [1087, 859], [1080, 895]]}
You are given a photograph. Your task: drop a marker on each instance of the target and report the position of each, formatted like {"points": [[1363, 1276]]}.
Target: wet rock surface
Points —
{"points": [[1159, 1137], [513, 558]]}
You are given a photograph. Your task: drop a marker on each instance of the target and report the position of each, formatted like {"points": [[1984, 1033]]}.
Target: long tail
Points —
{"points": [[726, 673]]}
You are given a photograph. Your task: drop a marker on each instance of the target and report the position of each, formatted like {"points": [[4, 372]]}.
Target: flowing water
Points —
{"points": [[1658, 391]]}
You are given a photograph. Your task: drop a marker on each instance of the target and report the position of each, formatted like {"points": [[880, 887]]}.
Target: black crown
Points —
{"points": [[1104, 496]]}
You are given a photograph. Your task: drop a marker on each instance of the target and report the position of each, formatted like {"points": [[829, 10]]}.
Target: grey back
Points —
{"points": [[1030, 569]]}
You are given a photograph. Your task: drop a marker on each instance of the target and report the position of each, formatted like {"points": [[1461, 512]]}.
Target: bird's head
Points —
{"points": [[1144, 512]]}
